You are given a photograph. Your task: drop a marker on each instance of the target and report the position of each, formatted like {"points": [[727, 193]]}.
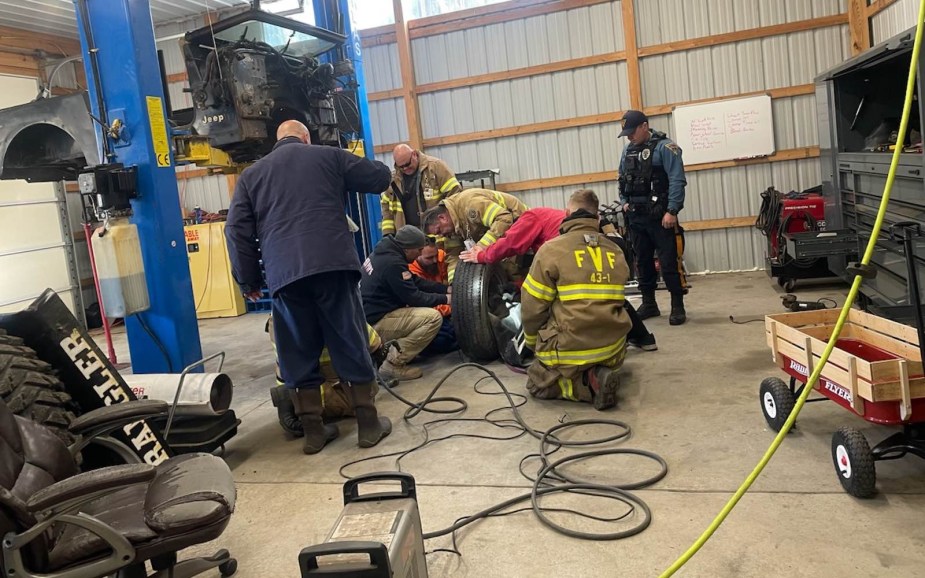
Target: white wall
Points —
{"points": [[36, 248]]}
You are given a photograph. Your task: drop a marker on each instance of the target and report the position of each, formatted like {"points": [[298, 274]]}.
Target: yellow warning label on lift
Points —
{"points": [[158, 131]]}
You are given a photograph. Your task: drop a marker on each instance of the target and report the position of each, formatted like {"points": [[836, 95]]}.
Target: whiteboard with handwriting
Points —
{"points": [[723, 130]]}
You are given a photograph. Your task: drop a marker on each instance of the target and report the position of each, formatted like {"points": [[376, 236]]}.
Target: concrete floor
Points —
{"points": [[694, 402]]}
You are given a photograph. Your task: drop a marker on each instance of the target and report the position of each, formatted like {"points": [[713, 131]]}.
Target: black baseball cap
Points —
{"points": [[632, 119]]}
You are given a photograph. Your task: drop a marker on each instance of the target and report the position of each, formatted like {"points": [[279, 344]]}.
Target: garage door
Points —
{"points": [[36, 245]]}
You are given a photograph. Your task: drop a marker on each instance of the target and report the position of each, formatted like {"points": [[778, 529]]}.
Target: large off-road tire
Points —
{"points": [[30, 388], [477, 296]]}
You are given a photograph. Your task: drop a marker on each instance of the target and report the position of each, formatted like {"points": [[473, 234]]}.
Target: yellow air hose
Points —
{"points": [[852, 294]]}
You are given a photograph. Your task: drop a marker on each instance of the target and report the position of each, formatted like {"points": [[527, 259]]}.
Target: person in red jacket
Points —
{"points": [[526, 235]]}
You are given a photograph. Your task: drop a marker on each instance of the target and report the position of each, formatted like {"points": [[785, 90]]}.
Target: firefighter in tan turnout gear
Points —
{"points": [[572, 310], [419, 182], [477, 215]]}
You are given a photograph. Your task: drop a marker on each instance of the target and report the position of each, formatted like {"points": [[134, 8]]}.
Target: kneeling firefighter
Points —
{"points": [[336, 402], [652, 192]]}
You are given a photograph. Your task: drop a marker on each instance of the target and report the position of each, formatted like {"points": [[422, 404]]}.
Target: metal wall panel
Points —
{"points": [[895, 19], [381, 65], [387, 118], [560, 95], [208, 192], [531, 41], [662, 21], [709, 72], [569, 151], [746, 66], [59, 18]]}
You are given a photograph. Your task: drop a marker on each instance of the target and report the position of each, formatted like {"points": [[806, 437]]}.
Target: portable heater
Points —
{"points": [[376, 536]]}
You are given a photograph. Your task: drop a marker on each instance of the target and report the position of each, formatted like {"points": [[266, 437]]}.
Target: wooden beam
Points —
{"points": [[415, 135], [787, 91], [606, 176], [567, 181], [29, 40], [782, 155], [571, 64], [385, 95], [19, 64], [193, 174], [878, 6], [858, 26], [632, 54], [377, 36], [712, 224], [231, 181], [525, 129], [740, 35]]}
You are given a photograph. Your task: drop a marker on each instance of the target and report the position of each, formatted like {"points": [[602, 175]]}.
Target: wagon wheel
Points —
{"points": [[854, 462], [777, 401], [788, 283]]}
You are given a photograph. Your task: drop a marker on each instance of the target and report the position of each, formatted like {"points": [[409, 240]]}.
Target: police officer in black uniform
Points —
{"points": [[294, 201], [652, 192]]}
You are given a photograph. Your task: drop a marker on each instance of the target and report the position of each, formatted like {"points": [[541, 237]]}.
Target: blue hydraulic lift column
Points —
{"points": [[126, 78], [336, 15]]}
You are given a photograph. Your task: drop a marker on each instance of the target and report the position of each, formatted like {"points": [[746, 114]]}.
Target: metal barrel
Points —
{"points": [[202, 393]]}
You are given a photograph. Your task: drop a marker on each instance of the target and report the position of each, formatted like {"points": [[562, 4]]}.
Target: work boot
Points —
{"points": [[370, 427], [285, 411], [307, 403], [646, 343], [603, 382], [649, 307], [678, 315], [392, 368]]}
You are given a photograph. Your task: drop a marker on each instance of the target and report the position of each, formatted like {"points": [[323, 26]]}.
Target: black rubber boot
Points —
{"points": [[604, 383], [307, 403], [649, 307], [370, 427], [285, 411], [678, 314]]}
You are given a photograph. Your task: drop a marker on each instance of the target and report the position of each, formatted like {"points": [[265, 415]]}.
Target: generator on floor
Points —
{"points": [[377, 535], [798, 242]]}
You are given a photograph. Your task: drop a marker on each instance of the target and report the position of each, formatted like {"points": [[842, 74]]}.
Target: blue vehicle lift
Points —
{"points": [[124, 82]]}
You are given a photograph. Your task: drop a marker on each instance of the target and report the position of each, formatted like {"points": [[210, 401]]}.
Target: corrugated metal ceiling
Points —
{"points": [[58, 17]]}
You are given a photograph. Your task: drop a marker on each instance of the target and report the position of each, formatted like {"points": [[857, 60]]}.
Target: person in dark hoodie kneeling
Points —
{"points": [[399, 304]]}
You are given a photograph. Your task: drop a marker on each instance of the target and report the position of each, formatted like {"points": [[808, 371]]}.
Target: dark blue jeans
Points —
{"points": [[315, 311]]}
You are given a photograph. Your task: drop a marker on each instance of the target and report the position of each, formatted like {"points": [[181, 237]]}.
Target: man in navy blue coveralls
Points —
{"points": [[652, 186], [289, 209]]}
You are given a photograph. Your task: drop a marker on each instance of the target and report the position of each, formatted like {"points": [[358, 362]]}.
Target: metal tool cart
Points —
{"points": [[859, 106]]}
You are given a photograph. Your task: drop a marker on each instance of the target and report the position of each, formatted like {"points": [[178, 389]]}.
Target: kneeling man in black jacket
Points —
{"points": [[400, 305]]}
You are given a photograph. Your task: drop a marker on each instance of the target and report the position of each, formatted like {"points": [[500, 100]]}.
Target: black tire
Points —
{"points": [[777, 402], [30, 388], [477, 291], [854, 462]]}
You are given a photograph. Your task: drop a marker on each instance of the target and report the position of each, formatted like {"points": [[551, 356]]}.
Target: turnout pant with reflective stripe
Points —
{"points": [[319, 310], [566, 381], [412, 327]]}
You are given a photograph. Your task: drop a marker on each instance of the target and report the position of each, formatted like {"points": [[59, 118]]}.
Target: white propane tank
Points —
{"points": [[121, 271]]}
